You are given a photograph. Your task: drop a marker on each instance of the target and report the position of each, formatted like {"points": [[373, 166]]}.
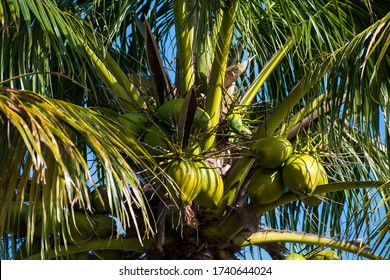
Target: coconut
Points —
{"points": [[211, 186], [271, 152], [100, 205], [81, 229], [170, 111], [295, 257], [234, 122], [135, 121], [302, 174], [104, 225], [316, 200], [186, 177], [157, 139], [265, 186]]}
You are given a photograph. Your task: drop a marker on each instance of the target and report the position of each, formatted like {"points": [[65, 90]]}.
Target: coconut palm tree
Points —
{"points": [[140, 129]]}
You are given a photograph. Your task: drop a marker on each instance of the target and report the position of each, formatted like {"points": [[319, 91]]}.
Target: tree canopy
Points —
{"points": [[314, 72]]}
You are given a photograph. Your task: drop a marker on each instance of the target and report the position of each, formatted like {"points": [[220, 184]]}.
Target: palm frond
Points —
{"points": [[327, 91], [49, 138]]}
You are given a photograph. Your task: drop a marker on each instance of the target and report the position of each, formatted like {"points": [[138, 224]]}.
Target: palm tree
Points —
{"points": [[111, 111]]}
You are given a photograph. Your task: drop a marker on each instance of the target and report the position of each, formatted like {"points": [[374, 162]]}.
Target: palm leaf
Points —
{"points": [[339, 62], [59, 176]]}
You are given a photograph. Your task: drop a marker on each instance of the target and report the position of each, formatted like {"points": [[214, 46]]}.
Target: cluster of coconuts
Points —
{"points": [[189, 180], [280, 168], [194, 181], [158, 136]]}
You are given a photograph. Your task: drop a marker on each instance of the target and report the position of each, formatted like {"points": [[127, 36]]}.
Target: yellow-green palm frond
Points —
{"points": [[46, 146]]}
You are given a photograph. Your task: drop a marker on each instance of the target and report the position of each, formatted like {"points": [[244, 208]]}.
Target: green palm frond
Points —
{"points": [[316, 72], [50, 139]]}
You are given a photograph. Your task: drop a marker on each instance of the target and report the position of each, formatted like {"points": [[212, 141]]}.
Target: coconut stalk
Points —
{"points": [[273, 236], [184, 40], [216, 90]]}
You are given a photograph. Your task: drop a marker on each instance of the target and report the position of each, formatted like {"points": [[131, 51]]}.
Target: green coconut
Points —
{"points": [[265, 186], [134, 121], [316, 200], [271, 152], [295, 257], [81, 228], [212, 188], [245, 130], [325, 255], [234, 122], [302, 173], [157, 139], [186, 180], [170, 112], [104, 225], [100, 201]]}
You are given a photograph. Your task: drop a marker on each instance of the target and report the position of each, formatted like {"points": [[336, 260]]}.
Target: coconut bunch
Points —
{"points": [[280, 170], [172, 134]]}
